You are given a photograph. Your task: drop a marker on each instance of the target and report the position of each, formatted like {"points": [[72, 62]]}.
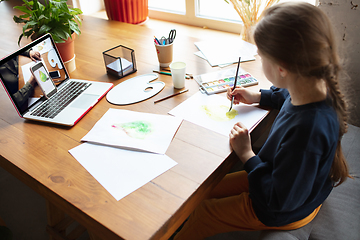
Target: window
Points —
{"points": [[195, 12], [174, 6], [217, 9], [215, 14]]}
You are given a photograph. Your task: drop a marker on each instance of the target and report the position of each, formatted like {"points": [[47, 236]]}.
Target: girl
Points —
{"points": [[284, 185]]}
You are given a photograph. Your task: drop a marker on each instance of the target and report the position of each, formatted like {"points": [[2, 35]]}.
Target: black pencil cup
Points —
{"points": [[120, 61]]}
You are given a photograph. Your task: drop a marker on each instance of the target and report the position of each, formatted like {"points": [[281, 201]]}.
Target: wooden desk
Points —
{"points": [[38, 154]]}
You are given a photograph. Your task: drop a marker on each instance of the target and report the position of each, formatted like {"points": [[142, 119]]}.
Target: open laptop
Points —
{"points": [[28, 85]]}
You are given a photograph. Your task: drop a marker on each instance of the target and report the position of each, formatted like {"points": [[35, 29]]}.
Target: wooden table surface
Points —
{"points": [[37, 153]]}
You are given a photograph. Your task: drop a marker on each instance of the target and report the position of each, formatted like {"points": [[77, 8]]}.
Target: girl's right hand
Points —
{"points": [[35, 56], [243, 95]]}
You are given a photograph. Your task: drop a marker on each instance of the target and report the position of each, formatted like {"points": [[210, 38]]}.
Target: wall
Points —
{"points": [[345, 16], [87, 6]]}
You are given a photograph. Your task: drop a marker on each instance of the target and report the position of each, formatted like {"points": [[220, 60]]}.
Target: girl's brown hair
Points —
{"points": [[299, 37]]}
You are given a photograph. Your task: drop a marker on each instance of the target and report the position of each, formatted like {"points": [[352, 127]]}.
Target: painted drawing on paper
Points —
{"points": [[212, 112], [135, 129], [219, 113]]}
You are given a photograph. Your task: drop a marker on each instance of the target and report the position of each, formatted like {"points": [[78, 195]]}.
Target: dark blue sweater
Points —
{"points": [[289, 177]]}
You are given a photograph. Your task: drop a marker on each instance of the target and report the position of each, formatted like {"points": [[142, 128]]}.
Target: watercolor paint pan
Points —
{"points": [[221, 84]]}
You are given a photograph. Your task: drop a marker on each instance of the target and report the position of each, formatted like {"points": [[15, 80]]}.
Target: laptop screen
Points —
{"points": [[17, 78]]}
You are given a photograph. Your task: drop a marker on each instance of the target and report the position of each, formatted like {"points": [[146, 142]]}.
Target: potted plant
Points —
{"points": [[54, 17]]}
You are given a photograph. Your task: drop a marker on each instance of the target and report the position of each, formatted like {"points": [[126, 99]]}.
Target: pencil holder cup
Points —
{"points": [[120, 61], [165, 54]]}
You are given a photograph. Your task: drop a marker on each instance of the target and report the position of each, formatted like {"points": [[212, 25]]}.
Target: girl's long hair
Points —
{"points": [[299, 36]]}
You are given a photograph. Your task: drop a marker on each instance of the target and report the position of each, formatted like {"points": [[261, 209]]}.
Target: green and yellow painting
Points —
{"points": [[42, 76], [219, 113], [136, 129]]}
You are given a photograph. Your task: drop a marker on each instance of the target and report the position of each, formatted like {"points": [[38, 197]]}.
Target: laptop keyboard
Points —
{"points": [[54, 105]]}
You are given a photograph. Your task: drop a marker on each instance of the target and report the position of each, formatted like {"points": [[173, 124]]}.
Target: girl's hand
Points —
{"points": [[243, 95], [240, 142], [35, 56], [32, 81]]}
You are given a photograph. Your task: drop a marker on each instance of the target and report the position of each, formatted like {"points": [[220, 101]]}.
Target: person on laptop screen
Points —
{"points": [[10, 73]]}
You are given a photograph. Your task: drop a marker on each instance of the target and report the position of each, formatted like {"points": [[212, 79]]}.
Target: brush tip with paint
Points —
{"points": [[232, 101]]}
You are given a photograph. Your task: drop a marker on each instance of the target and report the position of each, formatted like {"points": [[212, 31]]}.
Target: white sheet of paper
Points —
{"points": [[227, 52], [134, 130], [201, 55], [125, 64], [26, 71], [211, 112], [120, 171]]}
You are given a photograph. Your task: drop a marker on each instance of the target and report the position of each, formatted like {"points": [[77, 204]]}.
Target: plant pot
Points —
{"points": [[129, 11], [67, 52], [67, 48]]}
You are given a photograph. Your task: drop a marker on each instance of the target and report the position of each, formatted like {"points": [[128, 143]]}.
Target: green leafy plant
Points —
{"points": [[54, 17]]}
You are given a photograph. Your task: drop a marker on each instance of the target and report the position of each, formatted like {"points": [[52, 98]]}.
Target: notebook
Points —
{"points": [[69, 100]]}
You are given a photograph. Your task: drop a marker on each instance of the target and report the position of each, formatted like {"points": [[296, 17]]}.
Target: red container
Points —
{"points": [[129, 11]]}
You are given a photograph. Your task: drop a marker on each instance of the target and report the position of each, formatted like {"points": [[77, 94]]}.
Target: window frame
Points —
{"points": [[190, 18]]}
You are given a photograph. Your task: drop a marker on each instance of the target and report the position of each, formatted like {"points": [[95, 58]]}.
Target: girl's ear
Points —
{"points": [[282, 71]]}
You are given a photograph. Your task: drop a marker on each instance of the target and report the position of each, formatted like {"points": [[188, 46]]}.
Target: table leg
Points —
{"points": [[54, 217], [93, 236]]}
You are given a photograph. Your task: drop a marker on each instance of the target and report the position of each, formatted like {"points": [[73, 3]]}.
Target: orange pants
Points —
{"points": [[229, 209]]}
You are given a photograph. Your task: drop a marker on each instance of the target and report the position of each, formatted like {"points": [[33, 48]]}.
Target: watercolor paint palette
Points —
{"points": [[219, 81]]}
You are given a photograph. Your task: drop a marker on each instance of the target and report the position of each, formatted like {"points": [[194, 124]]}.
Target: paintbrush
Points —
{"points": [[235, 82], [172, 95]]}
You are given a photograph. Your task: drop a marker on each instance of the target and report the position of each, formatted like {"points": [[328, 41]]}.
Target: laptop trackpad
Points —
{"points": [[85, 101]]}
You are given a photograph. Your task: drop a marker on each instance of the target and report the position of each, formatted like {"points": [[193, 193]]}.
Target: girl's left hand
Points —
{"points": [[240, 142], [32, 81]]}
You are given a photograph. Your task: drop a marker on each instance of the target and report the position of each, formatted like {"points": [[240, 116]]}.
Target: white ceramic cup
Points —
{"points": [[178, 74]]}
